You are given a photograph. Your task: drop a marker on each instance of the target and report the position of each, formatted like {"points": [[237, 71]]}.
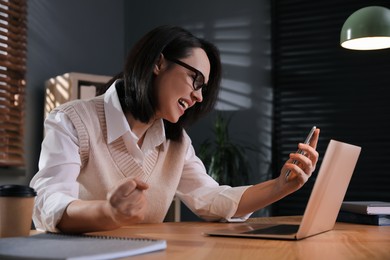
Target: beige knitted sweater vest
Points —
{"points": [[103, 165]]}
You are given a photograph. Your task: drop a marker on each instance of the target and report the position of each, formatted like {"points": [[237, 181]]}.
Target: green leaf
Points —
{"points": [[225, 160]]}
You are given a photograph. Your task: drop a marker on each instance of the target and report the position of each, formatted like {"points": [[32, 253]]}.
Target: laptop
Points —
{"points": [[324, 203]]}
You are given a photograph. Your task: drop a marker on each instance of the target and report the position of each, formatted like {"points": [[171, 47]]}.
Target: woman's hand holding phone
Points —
{"points": [[311, 140]]}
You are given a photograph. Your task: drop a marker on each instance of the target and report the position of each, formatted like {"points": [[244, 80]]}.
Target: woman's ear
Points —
{"points": [[159, 64]]}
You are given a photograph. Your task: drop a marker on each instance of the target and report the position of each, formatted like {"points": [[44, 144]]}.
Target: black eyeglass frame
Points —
{"points": [[197, 73]]}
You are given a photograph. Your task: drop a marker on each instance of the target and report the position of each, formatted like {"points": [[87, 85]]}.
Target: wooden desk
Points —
{"points": [[186, 241]]}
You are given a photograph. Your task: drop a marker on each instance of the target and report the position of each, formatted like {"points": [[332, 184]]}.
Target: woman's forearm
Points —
{"points": [[259, 196], [86, 216]]}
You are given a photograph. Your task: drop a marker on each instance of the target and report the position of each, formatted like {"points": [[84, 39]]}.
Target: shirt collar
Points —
{"points": [[117, 124], [115, 119]]}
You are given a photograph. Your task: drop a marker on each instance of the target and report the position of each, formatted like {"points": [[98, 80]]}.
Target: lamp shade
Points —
{"points": [[367, 29]]}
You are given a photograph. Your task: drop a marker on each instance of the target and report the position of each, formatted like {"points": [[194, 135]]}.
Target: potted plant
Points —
{"points": [[225, 160]]}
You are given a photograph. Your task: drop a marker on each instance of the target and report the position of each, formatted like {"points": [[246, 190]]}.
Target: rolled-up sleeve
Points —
{"points": [[204, 196], [59, 167]]}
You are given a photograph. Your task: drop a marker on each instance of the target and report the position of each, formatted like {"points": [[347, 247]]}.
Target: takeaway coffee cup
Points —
{"points": [[16, 207]]}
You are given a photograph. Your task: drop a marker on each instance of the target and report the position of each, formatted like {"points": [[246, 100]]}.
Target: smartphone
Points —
{"points": [[307, 141]]}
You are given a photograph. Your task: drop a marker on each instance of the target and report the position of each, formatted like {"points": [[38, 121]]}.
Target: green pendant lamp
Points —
{"points": [[367, 29]]}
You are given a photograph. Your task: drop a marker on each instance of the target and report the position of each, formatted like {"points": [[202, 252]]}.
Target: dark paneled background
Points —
{"points": [[343, 92]]}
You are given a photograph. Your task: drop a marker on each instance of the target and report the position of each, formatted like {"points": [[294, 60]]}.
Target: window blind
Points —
{"points": [[345, 93], [13, 37]]}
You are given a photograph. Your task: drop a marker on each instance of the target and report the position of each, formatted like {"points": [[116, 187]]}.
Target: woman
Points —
{"points": [[119, 159]]}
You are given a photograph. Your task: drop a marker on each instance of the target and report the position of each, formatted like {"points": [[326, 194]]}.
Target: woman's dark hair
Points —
{"points": [[138, 95]]}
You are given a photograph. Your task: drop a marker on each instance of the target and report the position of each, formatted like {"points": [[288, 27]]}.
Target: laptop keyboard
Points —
{"points": [[278, 229]]}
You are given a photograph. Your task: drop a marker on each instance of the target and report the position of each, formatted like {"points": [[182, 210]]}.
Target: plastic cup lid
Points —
{"points": [[12, 190]]}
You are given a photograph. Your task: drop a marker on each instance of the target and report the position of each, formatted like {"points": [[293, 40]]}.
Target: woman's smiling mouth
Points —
{"points": [[183, 103]]}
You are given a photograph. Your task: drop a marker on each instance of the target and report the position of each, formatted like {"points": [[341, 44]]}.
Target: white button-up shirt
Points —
{"points": [[59, 165]]}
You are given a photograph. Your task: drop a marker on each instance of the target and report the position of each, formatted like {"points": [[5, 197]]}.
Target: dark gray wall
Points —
{"points": [[66, 36], [241, 30], [93, 36]]}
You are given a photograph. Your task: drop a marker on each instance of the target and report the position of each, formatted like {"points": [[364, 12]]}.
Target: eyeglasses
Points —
{"points": [[198, 82]]}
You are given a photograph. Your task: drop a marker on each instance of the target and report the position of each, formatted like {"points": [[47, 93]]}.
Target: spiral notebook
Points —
{"points": [[76, 247]]}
